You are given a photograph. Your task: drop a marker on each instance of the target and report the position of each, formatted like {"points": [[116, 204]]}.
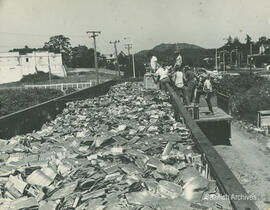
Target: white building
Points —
{"points": [[14, 66]]}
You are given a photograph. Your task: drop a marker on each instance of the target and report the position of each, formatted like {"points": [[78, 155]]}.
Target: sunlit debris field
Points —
{"points": [[122, 150]]}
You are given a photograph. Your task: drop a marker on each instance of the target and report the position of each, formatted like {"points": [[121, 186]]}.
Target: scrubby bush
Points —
{"points": [[245, 106], [39, 76], [15, 100], [248, 94], [233, 85]]}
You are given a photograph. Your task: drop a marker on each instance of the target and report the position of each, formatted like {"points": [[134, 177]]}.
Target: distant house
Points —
{"points": [[264, 49], [110, 57], [122, 54], [14, 66]]}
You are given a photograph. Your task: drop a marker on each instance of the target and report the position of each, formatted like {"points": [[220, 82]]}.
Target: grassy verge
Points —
{"points": [[15, 100], [248, 94]]}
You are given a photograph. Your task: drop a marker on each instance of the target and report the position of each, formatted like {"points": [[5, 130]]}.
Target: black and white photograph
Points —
{"points": [[134, 105]]}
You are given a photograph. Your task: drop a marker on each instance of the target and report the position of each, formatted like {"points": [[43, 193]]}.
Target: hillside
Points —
{"points": [[192, 54], [180, 46]]}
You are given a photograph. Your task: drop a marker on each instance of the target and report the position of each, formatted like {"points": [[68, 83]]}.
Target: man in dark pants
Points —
{"points": [[198, 90], [190, 76], [178, 79], [163, 74], [207, 88]]}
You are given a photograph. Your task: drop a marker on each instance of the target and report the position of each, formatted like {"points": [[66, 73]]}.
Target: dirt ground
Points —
{"points": [[249, 159]]}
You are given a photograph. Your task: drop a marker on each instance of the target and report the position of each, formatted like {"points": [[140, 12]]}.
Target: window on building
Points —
{"points": [[27, 59]]}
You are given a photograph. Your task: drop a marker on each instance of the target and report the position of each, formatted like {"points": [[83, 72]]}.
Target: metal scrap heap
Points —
{"points": [[122, 150]]}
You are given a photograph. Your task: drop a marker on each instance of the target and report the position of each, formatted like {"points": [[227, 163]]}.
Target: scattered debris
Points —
{"points": [[122, 150]]}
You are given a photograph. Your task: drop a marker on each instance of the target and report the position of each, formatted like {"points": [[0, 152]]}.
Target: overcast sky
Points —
{"points": [[147, 22]]}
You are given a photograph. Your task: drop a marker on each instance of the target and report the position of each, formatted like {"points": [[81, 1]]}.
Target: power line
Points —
{"points": [[94, 35], [116, 54], [129, 47]]}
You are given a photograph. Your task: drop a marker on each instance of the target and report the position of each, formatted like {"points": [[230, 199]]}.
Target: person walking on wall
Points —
{"points": [[163, 74], [178, 61], [179, 79], [208, 90], [190, 76], [153, 62]]}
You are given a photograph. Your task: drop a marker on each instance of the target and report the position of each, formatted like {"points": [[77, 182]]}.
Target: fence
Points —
{"points": [[223, 102], [64, 86], [60, 86]]}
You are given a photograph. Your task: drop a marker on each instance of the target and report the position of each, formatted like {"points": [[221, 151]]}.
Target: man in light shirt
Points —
{"points": [[153, 62], [207, 88], [178, 60], [163, 74], [179, 79]]}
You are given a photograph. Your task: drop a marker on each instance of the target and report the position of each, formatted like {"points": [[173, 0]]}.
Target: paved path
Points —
{"points": [[249, 160]]}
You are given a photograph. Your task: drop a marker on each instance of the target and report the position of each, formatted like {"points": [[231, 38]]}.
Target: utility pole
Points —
{"points": [[94, 35], [116, 55], [133, 65], [240, 57], [223, 58], [216, 61], [231, 58], [236, 59], [129, 47], [49, 66], [224, 61], [250, 53]]}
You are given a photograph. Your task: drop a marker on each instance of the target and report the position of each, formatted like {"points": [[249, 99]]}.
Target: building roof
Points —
{"points": [[33, 54]]}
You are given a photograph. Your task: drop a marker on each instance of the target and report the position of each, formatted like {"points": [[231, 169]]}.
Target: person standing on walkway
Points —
{"points": [[191, 82], [207, 88], [198, 90], [153, 62], [178, 61], [163, 74], [179, 80]]}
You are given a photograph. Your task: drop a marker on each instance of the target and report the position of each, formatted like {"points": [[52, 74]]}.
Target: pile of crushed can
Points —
{"points": [[122, 150]]}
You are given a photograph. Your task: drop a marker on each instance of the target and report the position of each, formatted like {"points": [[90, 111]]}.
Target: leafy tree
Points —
{"points": [[236, 41], [123, 59], [82, 57], [248, 40], [228, 44], [59, 44], [229, 40], [262, 40], [102, 61]]}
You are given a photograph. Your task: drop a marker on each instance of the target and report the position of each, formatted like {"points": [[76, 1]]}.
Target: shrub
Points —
{"points": [[233, 85], [15, 100], [245, 106], [248, 94], [39, 76]]}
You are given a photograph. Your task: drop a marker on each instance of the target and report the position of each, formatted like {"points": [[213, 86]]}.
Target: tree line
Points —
{"points": [[76, 57], [235, 43], [238, 52]]}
